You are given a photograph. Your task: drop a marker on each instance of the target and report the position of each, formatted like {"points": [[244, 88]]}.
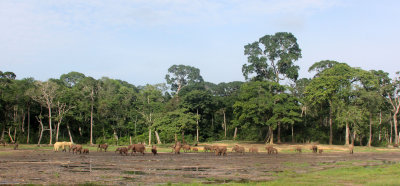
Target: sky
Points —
{"points": [[138, 40]]}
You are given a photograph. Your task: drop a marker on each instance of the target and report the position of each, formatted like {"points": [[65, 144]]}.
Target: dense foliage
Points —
{"points": [[339, 105]]}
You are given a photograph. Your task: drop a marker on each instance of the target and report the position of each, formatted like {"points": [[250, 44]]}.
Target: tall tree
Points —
{"points": [[272, 57], [394, 98], [328, 87], [45, 94], [255, 107], [181, 75], [197, 101]]}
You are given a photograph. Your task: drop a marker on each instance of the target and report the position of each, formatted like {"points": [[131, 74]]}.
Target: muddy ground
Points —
{"points": [[43, 166]]}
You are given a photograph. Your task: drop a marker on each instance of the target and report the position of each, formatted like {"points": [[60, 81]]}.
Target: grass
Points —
{"points": [[352, 175]]}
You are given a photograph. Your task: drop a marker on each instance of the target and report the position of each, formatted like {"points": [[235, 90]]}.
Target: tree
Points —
{"points": [[174, 122], [255, 106], [181, 75], [197, 101], [72, 78], [150, 103], [394, 98], [45, 94], [274, 59], [331, 85]]}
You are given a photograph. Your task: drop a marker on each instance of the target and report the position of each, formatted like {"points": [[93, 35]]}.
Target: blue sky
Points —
{"points": [[138, 40]]}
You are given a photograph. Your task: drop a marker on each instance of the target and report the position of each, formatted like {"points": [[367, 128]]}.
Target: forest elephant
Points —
{"points": [[207, 148], [253, 149], [102, 146], [186, 148], [154, 150], [76, 149], [57, 146], [220, 150], [140, 148], [85, 151], [314, 148]]}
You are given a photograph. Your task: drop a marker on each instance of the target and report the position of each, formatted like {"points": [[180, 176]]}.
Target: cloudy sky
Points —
{"points": [[138, 40]]}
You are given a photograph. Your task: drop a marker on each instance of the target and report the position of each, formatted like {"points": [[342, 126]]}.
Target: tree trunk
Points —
{"points": [[292, 135], [271, 134], [116, 136], [176, 138], [353, 137], [58, 129], [347, 133], [391, 132], [370, 130], [396, 137], [279, 132], [15, 134], [224, 123], [50, 127], [197, 126], [9, 134], [380, 127], [149, 136], [158, 137], [130, 140], [69, 133], [330, 123], [234, 134], [91, 125], [41, 129], [29, 124]]}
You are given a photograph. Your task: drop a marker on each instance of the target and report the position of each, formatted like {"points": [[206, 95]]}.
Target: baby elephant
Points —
{"points": [[123, 150], [320, 151], [298, 149], [85, 151], [154, 150], [253, 149]]}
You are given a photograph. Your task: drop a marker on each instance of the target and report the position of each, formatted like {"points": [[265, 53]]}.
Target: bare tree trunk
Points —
{"points": [[176, 138], [29, 124], [116, 136], [279, 132], [69, 133], [15, 134], [391, 132], [158, 137], [396, 137], [91, 117], [130, 140], [353, 137], [23, 122], [271, 134], [50, 127], [197, 126], [380, 127], [41, 129], [234, 134], [9, 134], [370, 130], [347, 134], [149, 136], [330, 123], [224, 122], [292, 135]]}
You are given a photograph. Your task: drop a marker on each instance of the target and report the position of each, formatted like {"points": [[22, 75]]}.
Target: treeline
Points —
{"points": [[339, 105]]}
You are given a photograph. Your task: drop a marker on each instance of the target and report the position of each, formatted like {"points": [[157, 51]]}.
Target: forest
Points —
{"points": [[340, 104]]}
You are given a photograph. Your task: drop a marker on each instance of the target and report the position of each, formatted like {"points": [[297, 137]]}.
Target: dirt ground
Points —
{"points": [[43, 166]]}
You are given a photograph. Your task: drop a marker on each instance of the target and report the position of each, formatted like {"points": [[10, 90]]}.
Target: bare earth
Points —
{"points": [[44, 166]]}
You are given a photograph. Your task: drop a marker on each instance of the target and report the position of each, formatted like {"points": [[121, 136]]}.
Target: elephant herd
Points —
{"points": [[176, 148]]}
